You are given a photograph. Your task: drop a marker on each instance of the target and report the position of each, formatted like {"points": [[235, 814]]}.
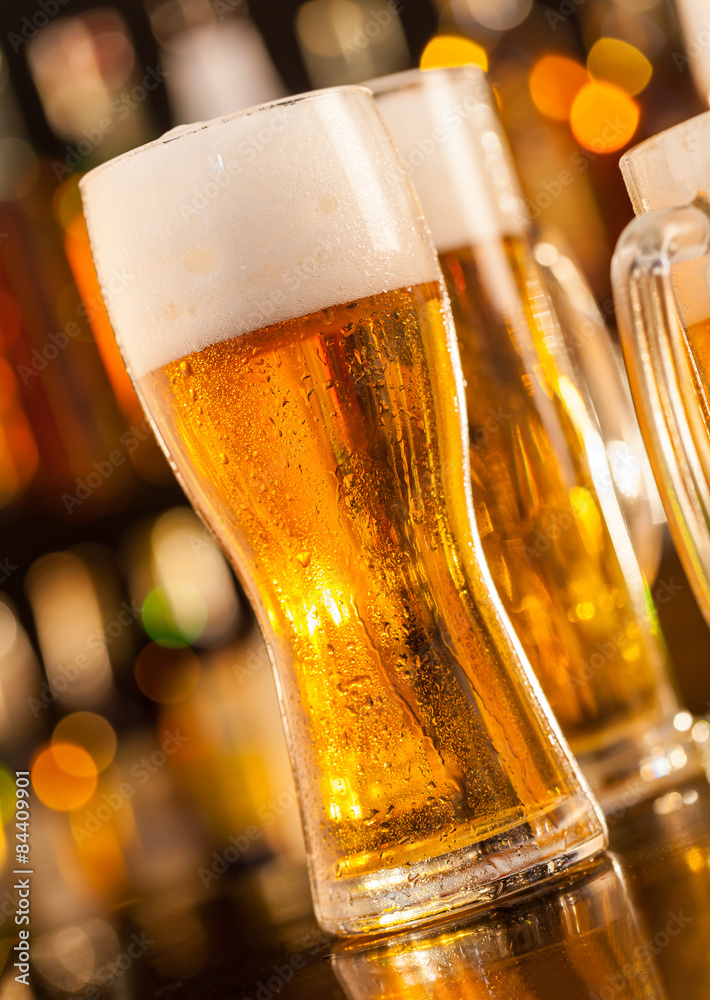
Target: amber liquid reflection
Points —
{"points": [[594, 644], [581, 941], [698, 348]]}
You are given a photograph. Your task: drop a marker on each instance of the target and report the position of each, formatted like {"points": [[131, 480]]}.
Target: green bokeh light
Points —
{"points": [[174, 622]]}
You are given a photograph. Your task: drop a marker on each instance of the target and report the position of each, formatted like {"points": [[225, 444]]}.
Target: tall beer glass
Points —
{"points": [[551, 527], [660, 275], [288, 332]]}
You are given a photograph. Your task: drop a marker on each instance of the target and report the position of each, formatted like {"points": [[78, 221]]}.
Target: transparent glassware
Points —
{"points": [[597, 359], [577, 941], [552, 527], [660, 280], [287, 329]]}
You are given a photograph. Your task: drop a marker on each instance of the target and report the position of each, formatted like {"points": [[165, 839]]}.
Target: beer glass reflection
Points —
{"points": [[551, 526], [287, 329], [576, 942]]}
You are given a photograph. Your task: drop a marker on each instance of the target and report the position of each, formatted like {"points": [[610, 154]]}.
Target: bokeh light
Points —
{"points": [[196, 583], [7, 794], [90, 731], [554, 83], [619, 63], [10, 319], [160, 620], [603, 118], [167, 675], [63, 776], [501, 15], [452, 50]]}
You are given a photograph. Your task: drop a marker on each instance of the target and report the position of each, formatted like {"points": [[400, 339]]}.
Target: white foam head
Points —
{"points": [[225, 227], [455, 151]]}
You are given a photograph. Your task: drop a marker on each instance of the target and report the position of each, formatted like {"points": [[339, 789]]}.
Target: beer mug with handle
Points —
{"points": [[286, 326], [553, 531], [661, 279]]}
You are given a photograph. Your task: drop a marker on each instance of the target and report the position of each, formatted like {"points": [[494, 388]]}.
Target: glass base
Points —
{"points": [[547, 843], [643, 765]]}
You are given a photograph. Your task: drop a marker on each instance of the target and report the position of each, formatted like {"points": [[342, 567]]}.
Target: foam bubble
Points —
{"points": [[455, 152], [226, 227]]}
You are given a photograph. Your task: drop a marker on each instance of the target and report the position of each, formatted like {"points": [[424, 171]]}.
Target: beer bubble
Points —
{"points": [[199, 260], [304, 558], [170, 312]]}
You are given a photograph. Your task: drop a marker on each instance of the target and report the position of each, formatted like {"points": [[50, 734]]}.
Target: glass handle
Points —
{"points": [[663, 377]]}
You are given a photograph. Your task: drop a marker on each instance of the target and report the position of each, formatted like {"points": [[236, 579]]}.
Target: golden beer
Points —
{"points": [[311, 445], [697, 343], [551, 526], [598, 656], [328, 454]]}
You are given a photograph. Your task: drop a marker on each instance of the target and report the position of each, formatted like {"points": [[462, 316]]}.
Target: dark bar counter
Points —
{"points": [[634, 923]]}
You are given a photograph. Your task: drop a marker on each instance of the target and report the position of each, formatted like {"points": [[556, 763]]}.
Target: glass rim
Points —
{"points": [[180, 131], [411, 78], [659, 140]]}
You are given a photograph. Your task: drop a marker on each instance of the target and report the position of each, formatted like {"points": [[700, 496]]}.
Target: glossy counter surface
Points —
{"points": [[633, 924]]}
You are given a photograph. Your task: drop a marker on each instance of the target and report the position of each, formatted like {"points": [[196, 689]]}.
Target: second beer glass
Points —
{"points": [[286, 326], [551, 527]]}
